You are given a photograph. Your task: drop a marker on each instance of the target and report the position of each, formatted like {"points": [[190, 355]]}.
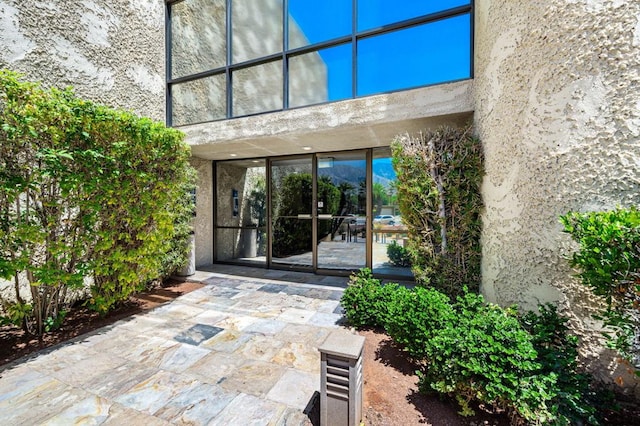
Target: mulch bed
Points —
{"points": [[15, 343]]}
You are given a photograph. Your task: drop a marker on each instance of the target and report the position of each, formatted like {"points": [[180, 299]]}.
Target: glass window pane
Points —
{"points": [[320, 76], [342, 210], [377, 13], [427, 54], [199, 100], [389, 230], [314, 22], [257, 89], [248, 179], [291, 206], [241, 211], [256, 29], [198, 36]]}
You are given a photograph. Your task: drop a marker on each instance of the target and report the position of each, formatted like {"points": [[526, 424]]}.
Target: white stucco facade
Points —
{"points": [[557, 107], [555, 100]]}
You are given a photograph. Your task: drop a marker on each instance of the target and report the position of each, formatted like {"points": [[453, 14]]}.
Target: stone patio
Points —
{"points": [[240, 351]]}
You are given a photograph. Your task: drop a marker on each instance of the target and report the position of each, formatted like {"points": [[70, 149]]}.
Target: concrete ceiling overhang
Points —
{"points": [[351, 124]]}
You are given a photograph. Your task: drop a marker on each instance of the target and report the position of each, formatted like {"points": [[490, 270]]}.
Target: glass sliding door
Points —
{"points": [[291, 212], [341, 210], [241, 213], [328, 212]]}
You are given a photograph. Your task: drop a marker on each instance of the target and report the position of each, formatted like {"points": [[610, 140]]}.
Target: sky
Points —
{"points": [[417, 56]]}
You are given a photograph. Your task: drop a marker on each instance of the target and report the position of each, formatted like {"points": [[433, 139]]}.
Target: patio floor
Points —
{"points": [[240, 351]]}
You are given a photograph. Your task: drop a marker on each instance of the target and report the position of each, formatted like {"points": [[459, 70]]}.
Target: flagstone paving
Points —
{"points": [[242, 350]]}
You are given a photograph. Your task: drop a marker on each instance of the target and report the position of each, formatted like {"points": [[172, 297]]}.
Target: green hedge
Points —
{"points": [[439, 174], [85, 192], [479, 352]]}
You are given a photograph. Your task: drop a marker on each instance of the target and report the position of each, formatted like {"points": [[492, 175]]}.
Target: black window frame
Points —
{"points": [[287, 53]]}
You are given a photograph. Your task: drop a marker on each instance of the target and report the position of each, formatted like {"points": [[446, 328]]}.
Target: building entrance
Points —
{"points": [[330, 213]]}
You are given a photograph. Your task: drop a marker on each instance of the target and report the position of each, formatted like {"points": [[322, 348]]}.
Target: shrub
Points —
{"points": [[486, 355], [366, 301], [414, 316], [574, 401], [439, 174], [85, 191], [474, 351], [398, 255], [609, 263]]}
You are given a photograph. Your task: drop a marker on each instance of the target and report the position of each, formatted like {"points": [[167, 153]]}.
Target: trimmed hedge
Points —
{"points": [[86, 191], [475, 351]]}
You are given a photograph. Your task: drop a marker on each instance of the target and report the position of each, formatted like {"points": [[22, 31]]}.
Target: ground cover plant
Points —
{"points": [[478, 352], [439, 174], [89, 196]]}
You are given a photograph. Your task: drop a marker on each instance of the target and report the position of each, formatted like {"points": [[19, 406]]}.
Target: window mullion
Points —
{"points": [[285, 59], [354, 50], [229, 77]]}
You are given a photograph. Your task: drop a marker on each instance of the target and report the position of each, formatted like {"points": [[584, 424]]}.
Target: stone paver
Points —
{"points": [[241, 350]]}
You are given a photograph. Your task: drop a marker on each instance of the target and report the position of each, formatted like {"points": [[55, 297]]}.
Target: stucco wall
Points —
{"points": [[557, 95], [110, 52], [203, 222]]}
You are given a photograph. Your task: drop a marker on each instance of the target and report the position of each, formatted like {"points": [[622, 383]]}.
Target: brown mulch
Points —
{"points": [[14, 343], [391, 395]]}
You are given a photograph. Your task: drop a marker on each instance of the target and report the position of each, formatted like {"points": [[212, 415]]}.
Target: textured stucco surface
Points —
{"points": [[203, 222], [557, 107], [110, 52]]}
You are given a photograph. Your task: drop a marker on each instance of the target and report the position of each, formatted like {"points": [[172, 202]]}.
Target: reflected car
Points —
{"points": [[384, 219]]}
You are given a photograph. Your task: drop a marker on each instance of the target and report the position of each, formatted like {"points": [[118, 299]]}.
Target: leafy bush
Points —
{"points": [[439, 174], [574, 401], [415, 316], [85, 191], [398, 255], [481, 352], [366, 301], [486, 355], [609, 263]]}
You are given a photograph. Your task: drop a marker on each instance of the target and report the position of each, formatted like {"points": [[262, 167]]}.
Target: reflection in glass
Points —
{"points": [[377, 13], [320, 76], [198, 100], [257, 89], [315, 22], [389, 232], [241, 213], [198, 36], [426, 54], [342, 210], [256, 29], [292, 192]]}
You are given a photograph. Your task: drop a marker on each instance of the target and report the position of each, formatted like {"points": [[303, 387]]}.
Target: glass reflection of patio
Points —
{"points": [[344, 254]]}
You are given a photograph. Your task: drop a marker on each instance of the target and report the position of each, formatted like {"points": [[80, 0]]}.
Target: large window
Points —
{"points": [[231, 58]]}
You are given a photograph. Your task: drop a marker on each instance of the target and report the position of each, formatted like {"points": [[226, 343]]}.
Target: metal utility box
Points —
{"points": [[341, 380]]}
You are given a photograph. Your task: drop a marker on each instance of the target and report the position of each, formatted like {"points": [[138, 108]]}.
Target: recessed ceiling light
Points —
{"points": [[255, 161], [306, 148], [233, 155]]}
